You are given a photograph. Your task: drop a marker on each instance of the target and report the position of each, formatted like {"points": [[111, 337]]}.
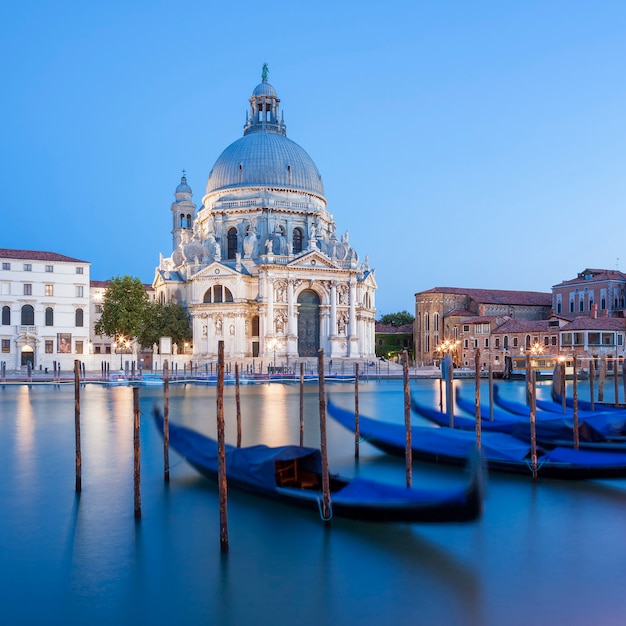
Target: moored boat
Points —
{"points": [[501, 452], [292, 474]]}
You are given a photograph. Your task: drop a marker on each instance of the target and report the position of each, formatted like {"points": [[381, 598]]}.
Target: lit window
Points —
{"points": [[49, 290]]}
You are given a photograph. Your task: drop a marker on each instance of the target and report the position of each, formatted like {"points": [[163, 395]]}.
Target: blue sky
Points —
{"points": [[467, 144]]}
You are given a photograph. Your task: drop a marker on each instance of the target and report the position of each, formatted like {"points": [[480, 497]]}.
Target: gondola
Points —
{"points": [[501, 452], [598, 432], [585, 405], [292, 474]]}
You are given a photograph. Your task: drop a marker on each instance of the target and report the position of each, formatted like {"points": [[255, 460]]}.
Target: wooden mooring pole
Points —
{"points": [[137, 453], [575, 401], [221, 449], [602, 378], [326, 510], [592, 381], [79, 459], [357, 434], [301, 404], [615, 382], [532, 392], [238, 403], [166, 423], [407, 420], [477, 399]]}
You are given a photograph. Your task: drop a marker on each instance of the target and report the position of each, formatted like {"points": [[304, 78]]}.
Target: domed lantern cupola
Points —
{"points": [[263, 115]]}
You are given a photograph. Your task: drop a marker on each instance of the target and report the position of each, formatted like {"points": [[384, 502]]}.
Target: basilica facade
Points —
{"points": [[260, 264]]}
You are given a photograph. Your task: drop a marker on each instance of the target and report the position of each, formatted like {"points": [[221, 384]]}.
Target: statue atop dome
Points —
{"points": [[264, 72]]}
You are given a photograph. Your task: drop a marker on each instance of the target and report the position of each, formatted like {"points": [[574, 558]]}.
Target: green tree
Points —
{"points": [[165, 320], [397, 319], [123, 308]]}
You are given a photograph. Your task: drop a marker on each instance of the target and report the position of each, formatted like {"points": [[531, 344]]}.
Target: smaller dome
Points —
{"points": [[183, 187], [264, 89]]}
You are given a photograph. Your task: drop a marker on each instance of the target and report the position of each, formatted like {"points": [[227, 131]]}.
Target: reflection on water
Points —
{"points": [[548, 554]]}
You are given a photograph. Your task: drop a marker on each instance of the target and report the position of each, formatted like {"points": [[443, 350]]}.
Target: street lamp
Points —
{"points": [[447, 346], [272, 344], [122, 343]]}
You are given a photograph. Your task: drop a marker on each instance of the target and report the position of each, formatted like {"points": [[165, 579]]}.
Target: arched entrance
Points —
{"points": [[28, 356], [308, 323]]}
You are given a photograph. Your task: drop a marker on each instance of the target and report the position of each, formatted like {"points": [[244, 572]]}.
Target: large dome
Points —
{"points": [[265, 159]]}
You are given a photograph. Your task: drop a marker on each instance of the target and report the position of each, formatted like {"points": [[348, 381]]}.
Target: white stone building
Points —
{"points": [[44, 304], [260, 265]]}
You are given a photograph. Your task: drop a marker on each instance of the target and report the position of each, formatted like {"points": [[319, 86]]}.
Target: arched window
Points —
{"points": [[527, 341], [297, 240], [79, 317], [49, 316], [217, 294], [188, 220], [505, 342], [232, 243], [6, 316], [182, 220], [28, 315]]}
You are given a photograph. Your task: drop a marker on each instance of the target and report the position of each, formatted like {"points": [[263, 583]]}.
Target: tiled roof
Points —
{"points": [[459, 313], [596, 323], [596, 275], [99, 284], [497, 296], [35, 255], [389, 329], [525, 326]]}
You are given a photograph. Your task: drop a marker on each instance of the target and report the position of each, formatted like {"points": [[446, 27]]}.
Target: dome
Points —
{"points": [[265, 159], [264, 89], [183, 187]]}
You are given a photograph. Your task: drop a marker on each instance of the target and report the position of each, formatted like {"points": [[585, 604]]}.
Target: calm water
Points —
{"points": [[551, 554]]}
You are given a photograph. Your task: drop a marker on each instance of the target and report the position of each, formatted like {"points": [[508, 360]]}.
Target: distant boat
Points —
{"points": [[150, 380], [292, 474], [117, 380]]}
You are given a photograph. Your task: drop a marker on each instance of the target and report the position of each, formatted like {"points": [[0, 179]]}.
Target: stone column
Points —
{"points": [[333, 309]]}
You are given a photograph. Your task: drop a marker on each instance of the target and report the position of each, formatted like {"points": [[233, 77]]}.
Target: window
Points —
{"points": [[28, 289], [98, 309], [554, 340], [515, 342], [49, 269], [79, 291], [97, 350], [5, 289], [6, 266], [6, 345], [78, 347], [28, 315], [297, 240], [28, 267], [217, 294], [231, 239], [497, 342], [79, 318], [79, 270], [49, 316], [49, 290], [6, 316], [466, 328], [481, 329], [486, 342], [49, 346]]}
